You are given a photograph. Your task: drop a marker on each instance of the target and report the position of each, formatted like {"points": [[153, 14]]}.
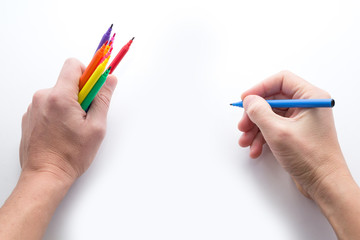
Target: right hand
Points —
{"points": [[303, 141]]}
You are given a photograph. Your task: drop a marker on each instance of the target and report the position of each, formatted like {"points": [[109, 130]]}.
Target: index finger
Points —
{"points": [[70, 75], [284, 83]]}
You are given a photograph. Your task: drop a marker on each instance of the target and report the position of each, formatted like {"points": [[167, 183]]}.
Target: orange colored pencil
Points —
{"points": [[92, 66]]}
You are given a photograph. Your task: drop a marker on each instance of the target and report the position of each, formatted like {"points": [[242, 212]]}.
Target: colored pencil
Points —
{"points": [[105, 37], [92, 80], [95, 89], [92, 66], [120, 56]]}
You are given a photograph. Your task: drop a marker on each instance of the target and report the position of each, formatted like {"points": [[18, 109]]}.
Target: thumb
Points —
{"points": [[260, 113], [100, 105]]}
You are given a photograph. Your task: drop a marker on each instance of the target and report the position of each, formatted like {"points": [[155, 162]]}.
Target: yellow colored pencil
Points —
{"points": [[92, 80]]}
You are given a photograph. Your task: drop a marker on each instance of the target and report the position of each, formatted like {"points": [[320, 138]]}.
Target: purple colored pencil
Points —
{"points": [[105, 37]]}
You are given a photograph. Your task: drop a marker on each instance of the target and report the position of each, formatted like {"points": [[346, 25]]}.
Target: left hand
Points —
{"points": [[58, 137]]}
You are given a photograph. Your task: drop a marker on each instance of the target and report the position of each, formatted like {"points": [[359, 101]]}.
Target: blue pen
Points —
{"points": [[296, 103]]}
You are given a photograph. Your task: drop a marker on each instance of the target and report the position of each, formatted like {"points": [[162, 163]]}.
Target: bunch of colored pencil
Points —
{"points": [[95, 74]]}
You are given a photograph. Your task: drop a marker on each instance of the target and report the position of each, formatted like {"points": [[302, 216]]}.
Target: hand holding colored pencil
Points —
{"points": [[95, 74]]}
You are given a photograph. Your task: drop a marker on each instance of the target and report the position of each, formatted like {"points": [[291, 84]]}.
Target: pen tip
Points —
{"points": [[133, 39], [111, 26]]}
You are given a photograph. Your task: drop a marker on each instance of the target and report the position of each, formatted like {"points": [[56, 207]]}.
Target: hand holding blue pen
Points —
{"points": [[303, 142]]}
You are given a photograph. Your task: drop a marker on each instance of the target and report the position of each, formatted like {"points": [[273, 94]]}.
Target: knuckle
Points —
{"points": [[286, 73], [24, 118], [105, 99], [71, 61], [283, 134], [38, 97], [98, 130], [29, 108], [55, 99], [325, 94], [316, 92]]}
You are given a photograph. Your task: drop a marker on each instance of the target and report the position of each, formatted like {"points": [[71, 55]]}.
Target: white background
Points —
{"points": [[170, 166]]}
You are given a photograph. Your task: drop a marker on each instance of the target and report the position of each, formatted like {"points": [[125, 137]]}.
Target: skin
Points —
{"points": [[59, 142], [305, 144]]}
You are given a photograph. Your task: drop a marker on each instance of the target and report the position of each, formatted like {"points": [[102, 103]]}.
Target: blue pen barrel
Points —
{"points": [[297, 103], [302, 103]]}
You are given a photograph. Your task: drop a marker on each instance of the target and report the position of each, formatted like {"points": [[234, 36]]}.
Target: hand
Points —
{"points": [[304, 141], [59, 142], [58, 137]]}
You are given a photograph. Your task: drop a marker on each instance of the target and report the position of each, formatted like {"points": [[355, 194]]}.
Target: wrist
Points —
{"points": [[333, 186], [51, 166], [339, 201], [330, 171], [54, 181]]}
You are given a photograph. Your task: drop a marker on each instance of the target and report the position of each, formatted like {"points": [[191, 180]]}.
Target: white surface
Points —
{"points": [[170, 166]]}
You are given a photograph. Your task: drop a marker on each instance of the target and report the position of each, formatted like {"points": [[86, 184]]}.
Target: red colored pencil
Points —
{"points": [[120, 56]]}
